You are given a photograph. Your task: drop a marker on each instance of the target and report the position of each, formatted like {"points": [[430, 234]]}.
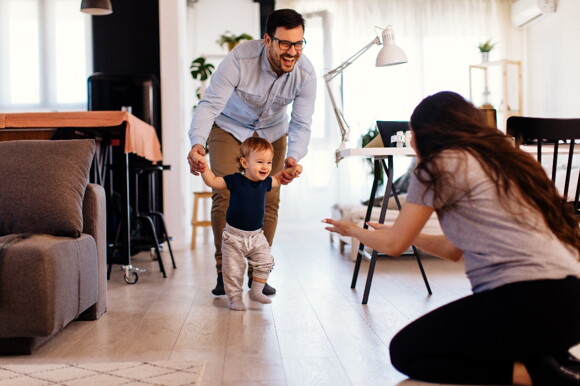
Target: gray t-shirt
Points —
{"points": [[499, 248]]}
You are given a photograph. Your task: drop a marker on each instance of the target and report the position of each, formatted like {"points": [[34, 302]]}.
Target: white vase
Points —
{"points": [[485, 57]]}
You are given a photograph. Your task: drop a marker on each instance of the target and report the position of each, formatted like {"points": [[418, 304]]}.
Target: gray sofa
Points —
{"points": [[52, 241]]}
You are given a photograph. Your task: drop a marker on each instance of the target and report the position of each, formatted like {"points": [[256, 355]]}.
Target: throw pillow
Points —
{"points": [[42, 186]]}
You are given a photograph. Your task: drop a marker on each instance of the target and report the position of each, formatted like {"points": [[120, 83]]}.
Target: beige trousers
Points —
{"points": [[224, 150]]}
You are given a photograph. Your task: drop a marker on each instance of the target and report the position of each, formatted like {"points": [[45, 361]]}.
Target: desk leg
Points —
{"points": [[126, 217], [361, 247], [379, 165], [415, 251], [374, 256]]}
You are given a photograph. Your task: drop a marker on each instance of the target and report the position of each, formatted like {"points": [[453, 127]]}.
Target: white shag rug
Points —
{"points": [[113, 373]]}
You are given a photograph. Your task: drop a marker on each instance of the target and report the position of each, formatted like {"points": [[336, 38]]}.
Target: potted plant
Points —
{"points": [[231, 39], [200, 69], [485, 48]]}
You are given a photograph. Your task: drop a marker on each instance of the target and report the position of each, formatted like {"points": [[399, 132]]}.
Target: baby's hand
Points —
{"points": [[199, 160], [295, 171], [287, 175]]}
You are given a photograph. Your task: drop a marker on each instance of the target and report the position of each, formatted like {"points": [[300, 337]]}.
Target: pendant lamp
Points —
{"points": [[97, 7]]}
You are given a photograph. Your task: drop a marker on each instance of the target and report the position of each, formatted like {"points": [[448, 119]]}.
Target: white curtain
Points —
{"points": [[440, 38]]}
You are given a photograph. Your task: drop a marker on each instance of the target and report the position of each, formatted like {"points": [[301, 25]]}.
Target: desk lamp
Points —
{"points": [[389, 55]]}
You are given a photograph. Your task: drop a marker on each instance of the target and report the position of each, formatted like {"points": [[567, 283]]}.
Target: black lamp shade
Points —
{"points": [[97, 7]]}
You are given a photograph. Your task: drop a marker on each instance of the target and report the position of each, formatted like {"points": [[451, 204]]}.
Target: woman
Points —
{"points": [[501, 214]]}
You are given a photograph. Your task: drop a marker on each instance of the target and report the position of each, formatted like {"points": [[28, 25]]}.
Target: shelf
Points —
{"points": [[506, 81]]}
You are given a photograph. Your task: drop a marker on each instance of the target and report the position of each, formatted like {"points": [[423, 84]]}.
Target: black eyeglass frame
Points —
{"points": [[290, 44]]}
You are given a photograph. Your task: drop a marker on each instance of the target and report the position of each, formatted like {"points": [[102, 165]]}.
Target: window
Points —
{"points": [[44, 55]]}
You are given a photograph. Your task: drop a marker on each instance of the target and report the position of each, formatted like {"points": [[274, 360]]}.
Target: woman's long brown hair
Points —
{"points": [[446, 121]]}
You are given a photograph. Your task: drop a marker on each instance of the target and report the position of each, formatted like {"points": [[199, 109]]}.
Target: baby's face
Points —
{"points": [[258, 165]]}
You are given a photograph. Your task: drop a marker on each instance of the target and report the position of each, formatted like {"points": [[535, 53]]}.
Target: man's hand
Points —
{"points": [[286, 176], [196, 160]]}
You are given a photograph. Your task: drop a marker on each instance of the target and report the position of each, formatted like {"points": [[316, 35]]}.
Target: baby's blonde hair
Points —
{"points": [[253, 144]]}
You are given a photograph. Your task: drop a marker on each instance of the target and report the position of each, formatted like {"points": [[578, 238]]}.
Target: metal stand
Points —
{"points": [[379, 164]]}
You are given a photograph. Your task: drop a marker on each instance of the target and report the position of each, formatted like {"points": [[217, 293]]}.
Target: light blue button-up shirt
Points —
{"points": [[246, 96]]}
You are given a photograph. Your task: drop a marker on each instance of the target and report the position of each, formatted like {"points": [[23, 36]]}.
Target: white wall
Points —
{"points": [[211, 18], [174, 73], [552, 64]]}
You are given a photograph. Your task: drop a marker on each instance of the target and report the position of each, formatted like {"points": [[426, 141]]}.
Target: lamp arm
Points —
{"points": [[330, 75], [342, 125]]}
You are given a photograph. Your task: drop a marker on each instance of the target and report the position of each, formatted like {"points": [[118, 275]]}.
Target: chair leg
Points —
{"points": [[150, 223], [170, 251], [164, 234], [194, 221], [423, 274]]}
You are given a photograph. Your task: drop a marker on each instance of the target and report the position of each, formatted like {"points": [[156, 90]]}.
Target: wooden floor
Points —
{"points": [[316, 332]]}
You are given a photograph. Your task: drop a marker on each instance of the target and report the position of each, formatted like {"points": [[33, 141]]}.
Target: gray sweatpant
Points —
{"points": [[238, 244]]}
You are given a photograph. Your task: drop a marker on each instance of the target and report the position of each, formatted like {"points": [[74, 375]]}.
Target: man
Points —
{"points": [[248, 96]]}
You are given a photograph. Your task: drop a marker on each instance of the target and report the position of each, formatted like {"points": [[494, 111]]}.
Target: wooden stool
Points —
{"points": [[195, 222]]}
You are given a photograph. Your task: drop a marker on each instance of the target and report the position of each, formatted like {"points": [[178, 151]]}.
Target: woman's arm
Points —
{"points": [[436, 245], [405, 231]]}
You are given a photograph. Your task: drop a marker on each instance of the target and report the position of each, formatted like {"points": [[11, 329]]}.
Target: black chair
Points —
{"points": [[148, 229], [556, 138], [146, 214]]}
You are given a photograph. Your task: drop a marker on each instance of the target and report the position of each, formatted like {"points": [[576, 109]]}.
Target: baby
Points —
{"points": [[243, 235]]}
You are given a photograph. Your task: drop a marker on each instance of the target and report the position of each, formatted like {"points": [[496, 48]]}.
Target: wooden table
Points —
{"points": [[139, 137], [111, 129]]}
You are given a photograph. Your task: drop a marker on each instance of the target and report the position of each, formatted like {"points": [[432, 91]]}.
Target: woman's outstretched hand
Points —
{"points": [[342, 227]]}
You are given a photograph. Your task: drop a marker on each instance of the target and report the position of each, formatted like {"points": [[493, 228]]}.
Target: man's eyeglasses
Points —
{"points": [[285, 44]]}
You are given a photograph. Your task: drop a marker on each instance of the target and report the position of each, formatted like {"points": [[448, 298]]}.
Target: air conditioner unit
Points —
{"points": [[525, 12]]}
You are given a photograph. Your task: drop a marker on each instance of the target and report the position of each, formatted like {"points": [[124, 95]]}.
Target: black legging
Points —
{"points": [[477, 339]]}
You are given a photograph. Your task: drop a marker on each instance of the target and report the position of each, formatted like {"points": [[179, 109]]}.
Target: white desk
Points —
{"points": [[383, 160], [377, 152], [383, 152]]}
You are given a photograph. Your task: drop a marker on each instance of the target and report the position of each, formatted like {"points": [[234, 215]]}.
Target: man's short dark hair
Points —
{"points": [[287, 18]]}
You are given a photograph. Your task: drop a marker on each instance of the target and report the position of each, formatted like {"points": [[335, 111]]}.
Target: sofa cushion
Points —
{"points": [[43, 184], [45, 282]]}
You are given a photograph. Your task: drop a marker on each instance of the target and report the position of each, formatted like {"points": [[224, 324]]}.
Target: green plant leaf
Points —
{"points": [[200, 69], [229, 37], [486, 46]]}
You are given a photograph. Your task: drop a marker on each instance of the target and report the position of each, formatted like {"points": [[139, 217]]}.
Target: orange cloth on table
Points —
{"points": [[140, 137]]}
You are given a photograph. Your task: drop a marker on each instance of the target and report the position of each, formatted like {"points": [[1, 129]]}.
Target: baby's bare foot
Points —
{"points": [[237, 304]]}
